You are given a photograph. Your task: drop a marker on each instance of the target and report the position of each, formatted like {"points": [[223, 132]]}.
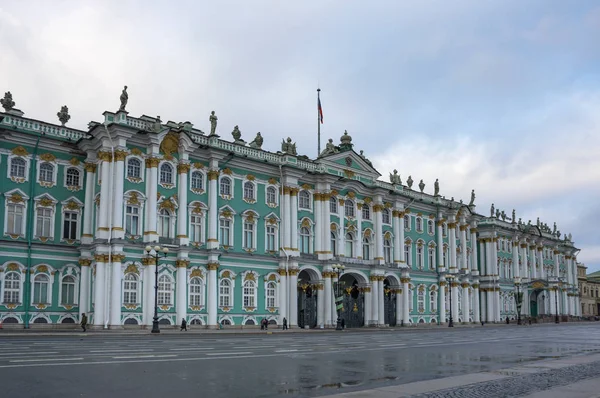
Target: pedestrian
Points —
{"points": [[83, 321], [507, 321], [343, 324], [285, 324], [530, 320], [482, 323], [262, 324], [183, 325], [266, 324]]}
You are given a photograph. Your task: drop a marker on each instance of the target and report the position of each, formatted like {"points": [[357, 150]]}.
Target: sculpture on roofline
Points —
{"points": [[124, 98], [537, 222], [409, 182], [421, 185], [554, 230], [365, 158], [63, 115], [330, 148], [289, 147], [570, 237], [472, 202], [492, 211], [497, 213], [257, 141], [237, 136], [558, 234], [213, 123], [7, 102], [395, 178], [503, 215], [514, 216], [436, 188], [157, 126]]}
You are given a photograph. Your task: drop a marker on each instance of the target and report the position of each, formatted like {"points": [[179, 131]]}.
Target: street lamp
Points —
{"points": [[158, 253], [339, 270], [450, 278], [518, 299]]}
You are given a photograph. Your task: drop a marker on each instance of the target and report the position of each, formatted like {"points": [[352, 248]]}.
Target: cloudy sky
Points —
{"points": [[500, 96]]}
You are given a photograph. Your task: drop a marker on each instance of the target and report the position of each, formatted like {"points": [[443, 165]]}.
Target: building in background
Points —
{"points": [[589, 290]]}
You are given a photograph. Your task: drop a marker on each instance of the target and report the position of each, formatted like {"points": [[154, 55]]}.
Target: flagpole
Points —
{"points": [[318, 123]]}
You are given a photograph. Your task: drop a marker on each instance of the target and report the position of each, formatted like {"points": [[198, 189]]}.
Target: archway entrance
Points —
{"points": [[537, 303], [307, 301], [389, 303], [353, 302]]}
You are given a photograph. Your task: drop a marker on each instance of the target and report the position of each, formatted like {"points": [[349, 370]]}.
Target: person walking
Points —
{"points": [[285, 324], [183, 325], [83, 321]]}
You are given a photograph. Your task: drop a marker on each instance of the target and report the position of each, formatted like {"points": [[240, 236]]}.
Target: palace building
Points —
{"points": [[251, 234]]}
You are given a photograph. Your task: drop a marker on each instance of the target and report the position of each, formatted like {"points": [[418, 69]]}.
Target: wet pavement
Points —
{"points": [[311, 364]]}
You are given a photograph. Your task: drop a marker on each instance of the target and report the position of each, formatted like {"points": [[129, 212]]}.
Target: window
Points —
{"points": [[407, 222], [433, 301], [166, 174], [225, 293], [164, 223], [14, 220], [385, 216], [46, 172], [249, 294], [431, 258], [195, 228], [419, 224], [72, 177], [420, 257], [248, 190], [349, 210], [271, 234], [197, 183], [349, 245], [196, 292], [421, 299], [165, 294], [366, 212], [408, 254], [333, 243], [248, 235], [304, 200], [366, 248], [40, 289], [68, 290], [271, 295], [445, 257], [444, 229], [271, 196], [333, 205], [304, 240], [225, 186], [387, 251], [70, 225], [225, 232], [12, 286], [17, 168], [43, 222], [134, 168], [132, 220], [130, 289], [430, 227]]}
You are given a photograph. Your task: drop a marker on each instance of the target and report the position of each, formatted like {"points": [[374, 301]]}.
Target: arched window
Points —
{"points": [[196, 292], [366, 212], [41, 283], [166, 174], [72, 177], [130, 289], [333, 243], [385, 216], [366, 248], [304, 240], [165, 290], [271, 196], [271, 295], [14, 218], [430, 227], [46, 172], [419, 224], [431, 258], [134, 168], [225, 232], [12, 286], [433, 301], [333, 205], [197, 181], [407, 222], [349, 245], [387, 251], [420, 257], [445, 257], [17, 168], [225, 186], [132, 220], [68, 290], [164, 223], [349, 210], [304, 200], [248, 190], [225, 293], [43, 222], [421, 300], [248, 237], [408, 254], [271, 238], [196, 228], [249, 294]]}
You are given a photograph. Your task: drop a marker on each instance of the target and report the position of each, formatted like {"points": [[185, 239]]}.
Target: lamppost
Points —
{"points": [[339, 270], [450, 278], [158, 253], [518, 299]]}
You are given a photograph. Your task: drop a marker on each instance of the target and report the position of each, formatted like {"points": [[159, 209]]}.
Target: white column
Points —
{"points": [[213, 212], [326, 211], [488, 257], [320, 306], [440, 244], [556, 264], [377, 209], [483, 305], [533, 255], [476, 316], [99, 288], [525, 306], [455, 287], [368, 305], [442, 301], [489, 299], [359, 231], [452, 241], [88, 207], [342, 231], [405, 301], [474, 269], [117, 196], [327, 298], [374, 300], [515, 259], [293, 295], [182, 212], [495, 270], [564, 309], [381, 300], [150, 234], [524, 261], [552, 298], [318, 223], [283, 293], [463, 247], [115, 291], [540, 261], [483, 254], [497, 304], [181, 289], [84, 286], [150, 283], [212, 293], [294, 226], [397, 241], [398, 306], [286, 224], [102, 229], [465, 302]]}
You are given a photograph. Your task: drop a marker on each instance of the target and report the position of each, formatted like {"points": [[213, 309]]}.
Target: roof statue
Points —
{"points": [[514, 216], [497, 213], [436, 188], [409, 182], [365, 158], [503, 215], [257, 141], [570, 237], [558, 233], [63, 115], [472, 202], [346, 142], [395, 178], [330, 148], [124, 98], [213, 123], [554, 230], [7, 102], [157, 125], [237, 136], [289, 147], [421, 185], [492, 211]]}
